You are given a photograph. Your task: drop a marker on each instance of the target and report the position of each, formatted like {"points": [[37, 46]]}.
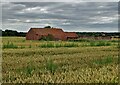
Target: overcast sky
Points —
{"points": [[70, 16]]}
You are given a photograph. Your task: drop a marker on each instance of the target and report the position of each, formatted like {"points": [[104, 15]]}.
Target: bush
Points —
{"points": [[10, 45], [49, 37]]}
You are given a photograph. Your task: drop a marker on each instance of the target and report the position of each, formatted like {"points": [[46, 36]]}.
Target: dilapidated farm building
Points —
{"points": [[56, 33]]}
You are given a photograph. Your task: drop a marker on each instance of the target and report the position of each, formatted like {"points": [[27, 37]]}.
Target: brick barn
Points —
{"points": [[57, 33]]}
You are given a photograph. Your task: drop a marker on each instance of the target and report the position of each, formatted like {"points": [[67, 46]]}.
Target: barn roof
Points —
{"points": [[46, 31], [71, 34]]}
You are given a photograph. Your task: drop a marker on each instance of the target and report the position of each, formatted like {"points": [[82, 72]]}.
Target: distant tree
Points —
{"points": [[47, 27], [0, 32], [10, 33], [13, 33]]}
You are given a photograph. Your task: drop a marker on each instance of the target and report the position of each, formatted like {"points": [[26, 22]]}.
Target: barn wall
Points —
{"points": [[31, 35], [58, 34]]}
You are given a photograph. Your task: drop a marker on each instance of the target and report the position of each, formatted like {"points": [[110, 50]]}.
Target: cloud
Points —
{"points": [[60, 1], [103, 19], [91, 16], [34, 10]]}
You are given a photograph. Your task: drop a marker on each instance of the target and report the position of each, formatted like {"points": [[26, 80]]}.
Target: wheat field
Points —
{"points": [[26, 61]]}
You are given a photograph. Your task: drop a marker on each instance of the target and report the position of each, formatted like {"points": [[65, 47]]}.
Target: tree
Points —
{"points": [[47, 27]]}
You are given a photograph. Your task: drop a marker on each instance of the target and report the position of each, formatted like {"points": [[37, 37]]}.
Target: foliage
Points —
{"points": [[70, 45], [56, 45], [49, 37], [47, 27], [13, 33], [30, 46], [81, 40], [98, 43], [117, 41], [23, 34], [105, 60], [9, 45], [96, 34], [89, 64], [27, 70], [51, 66], [22, 47]]}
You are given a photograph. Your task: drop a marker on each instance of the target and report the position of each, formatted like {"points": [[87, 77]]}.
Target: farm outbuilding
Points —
{"points": [[56, 33], [71, 35]]}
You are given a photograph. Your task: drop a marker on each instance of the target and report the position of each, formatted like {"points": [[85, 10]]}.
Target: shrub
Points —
{"points": [[49, 37], [9, 45]]}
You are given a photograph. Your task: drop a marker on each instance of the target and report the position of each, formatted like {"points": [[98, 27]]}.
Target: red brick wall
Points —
{"points": [[31, 35]]}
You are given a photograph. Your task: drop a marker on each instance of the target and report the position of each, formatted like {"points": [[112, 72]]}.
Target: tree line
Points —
{"points": [[23, 34], [97, 34], [12, 33]]}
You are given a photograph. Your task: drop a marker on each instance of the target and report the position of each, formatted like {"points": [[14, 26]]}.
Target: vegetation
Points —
{"points": [[81, 40], [88, 42], [56, 45], [47, 27], [96, 34], [105, 60], [23, 34], [9, 45], [99, 43], [13, 33], [59, 63], [50, 66], [48, 38]]}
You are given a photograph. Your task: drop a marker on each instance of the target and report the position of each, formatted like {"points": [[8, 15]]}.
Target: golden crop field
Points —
{"points": [[26, 61]]}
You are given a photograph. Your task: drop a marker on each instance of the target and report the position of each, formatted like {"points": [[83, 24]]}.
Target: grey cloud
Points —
{"points": [[61, 14], [60, 0]]}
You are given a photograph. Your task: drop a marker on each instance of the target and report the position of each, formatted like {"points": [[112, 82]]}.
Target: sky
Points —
{"points": [[70, 16]]}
